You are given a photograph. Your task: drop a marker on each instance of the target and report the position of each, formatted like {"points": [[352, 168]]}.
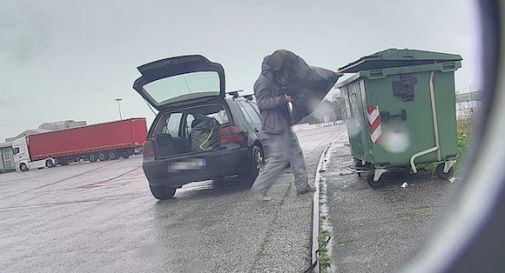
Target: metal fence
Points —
{"points": [[467, 109]]}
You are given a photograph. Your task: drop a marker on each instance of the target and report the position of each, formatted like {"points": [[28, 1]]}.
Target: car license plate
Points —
{"points": [[192, 164]]}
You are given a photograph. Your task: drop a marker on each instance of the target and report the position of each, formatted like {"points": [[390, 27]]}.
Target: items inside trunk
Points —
{"points": [[204, 133], [191, 130]]}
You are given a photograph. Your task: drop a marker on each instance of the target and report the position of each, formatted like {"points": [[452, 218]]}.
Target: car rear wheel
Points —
{"points": [[257, 162], [162, 192]]}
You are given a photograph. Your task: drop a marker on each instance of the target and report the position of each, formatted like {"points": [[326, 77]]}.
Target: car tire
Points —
{"points": [[23, 167], [257, 162], [162, 192]]}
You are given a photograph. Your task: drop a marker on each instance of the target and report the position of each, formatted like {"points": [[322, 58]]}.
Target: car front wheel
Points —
{"points": [[162, 192]]}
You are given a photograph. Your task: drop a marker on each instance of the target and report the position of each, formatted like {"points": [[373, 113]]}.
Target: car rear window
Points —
{"points": [[183, 87]]}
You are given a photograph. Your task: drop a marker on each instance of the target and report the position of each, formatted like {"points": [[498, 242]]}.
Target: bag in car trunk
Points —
{"points": [[204, 133]]}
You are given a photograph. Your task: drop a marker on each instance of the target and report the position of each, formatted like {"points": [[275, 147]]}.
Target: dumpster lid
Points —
{"points": [[396, 58]]}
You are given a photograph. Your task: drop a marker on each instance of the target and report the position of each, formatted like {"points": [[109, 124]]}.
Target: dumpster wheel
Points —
{"points": [[376, 182], [441, 174]]}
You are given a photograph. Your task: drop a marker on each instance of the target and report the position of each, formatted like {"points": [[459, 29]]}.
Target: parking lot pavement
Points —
{"points": [[377, 230], [100, 217]]}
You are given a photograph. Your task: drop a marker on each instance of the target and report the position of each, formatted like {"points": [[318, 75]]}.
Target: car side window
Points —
{"points": [[255, 106], [245, 114], [256, 120], [173, 125], [15, 150]]}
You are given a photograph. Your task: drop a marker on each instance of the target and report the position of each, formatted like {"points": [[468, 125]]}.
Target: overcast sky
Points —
{"points": [[68, 60]]}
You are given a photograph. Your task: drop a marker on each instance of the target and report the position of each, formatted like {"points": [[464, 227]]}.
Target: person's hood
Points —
{"points": [[279, 60], [308, 84], [283, 66]]}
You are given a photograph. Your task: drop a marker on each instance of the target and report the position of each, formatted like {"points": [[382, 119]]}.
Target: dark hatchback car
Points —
{"points": [[185, 90]]}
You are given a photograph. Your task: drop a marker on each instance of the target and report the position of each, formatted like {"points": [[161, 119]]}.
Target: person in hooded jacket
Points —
{"points": [[276, 123]]}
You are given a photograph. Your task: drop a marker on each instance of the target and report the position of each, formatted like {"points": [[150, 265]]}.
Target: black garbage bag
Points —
{"points": [[204, 133], [307, 84]]}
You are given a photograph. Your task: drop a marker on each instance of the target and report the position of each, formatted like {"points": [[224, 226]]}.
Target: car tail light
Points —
{"points": [[231, 134], [148, 149]]}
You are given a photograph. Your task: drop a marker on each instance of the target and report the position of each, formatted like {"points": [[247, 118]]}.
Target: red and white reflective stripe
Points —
{"points": [[374, 119]]}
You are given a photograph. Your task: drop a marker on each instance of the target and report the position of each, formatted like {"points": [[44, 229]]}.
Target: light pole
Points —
{"points": [[119, 107]]}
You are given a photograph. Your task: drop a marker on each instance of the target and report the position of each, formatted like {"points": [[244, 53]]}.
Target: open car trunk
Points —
{"points": [[191, 130], [179, 81]]}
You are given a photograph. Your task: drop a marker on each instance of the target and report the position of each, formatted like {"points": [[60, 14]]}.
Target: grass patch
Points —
{"points": [[324, 258], [463, 141], [261, 251], [323, 236], [324, 261], [404, 218], [463, 145], [342, 242]]}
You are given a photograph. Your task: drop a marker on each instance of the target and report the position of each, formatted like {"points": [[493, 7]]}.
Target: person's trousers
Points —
{"points": [[284, 150]]}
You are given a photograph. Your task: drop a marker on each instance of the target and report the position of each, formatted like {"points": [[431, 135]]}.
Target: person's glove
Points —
{"points": [[289, 98]]}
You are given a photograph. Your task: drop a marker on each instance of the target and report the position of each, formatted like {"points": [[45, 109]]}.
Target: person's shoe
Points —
{"points": [[309, 189], [264, 198]]}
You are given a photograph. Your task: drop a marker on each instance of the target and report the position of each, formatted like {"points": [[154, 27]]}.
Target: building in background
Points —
{"points": [[60, 125], [27, 133], [49, 126], [6, 157]]}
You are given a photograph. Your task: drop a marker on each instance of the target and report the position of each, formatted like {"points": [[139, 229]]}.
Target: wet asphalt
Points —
{"points": [[377, 230], [101, 217]]}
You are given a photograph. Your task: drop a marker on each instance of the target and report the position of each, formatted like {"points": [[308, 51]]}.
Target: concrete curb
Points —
{"points": [[315, 211]]}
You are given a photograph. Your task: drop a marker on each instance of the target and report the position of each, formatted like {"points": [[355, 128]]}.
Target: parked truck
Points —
{"points": [[104, 141]]}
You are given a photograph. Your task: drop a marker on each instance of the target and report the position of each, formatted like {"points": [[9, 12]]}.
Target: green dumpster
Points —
{"points": [[400, 111]]}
